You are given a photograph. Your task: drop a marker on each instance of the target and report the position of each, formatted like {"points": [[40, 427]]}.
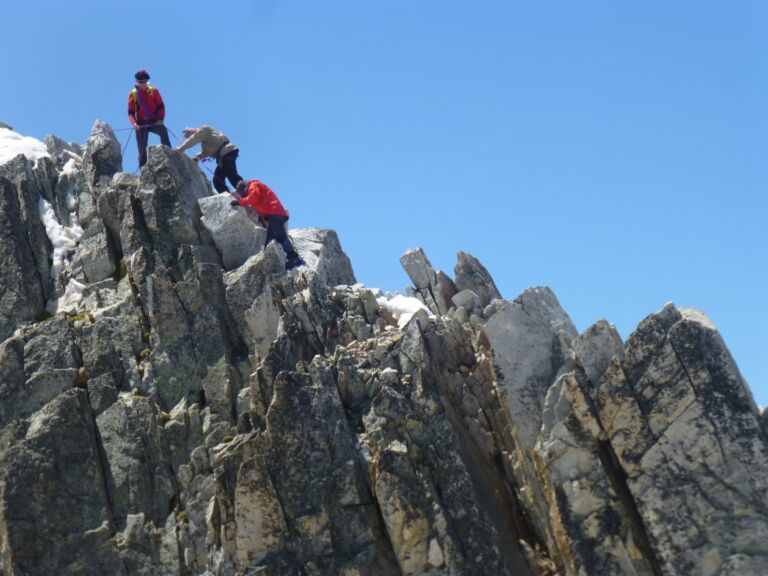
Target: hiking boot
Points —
{"points": [[293, 262]]}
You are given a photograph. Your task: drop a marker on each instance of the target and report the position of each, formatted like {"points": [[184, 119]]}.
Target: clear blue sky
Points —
{"points": [[614, 151]]}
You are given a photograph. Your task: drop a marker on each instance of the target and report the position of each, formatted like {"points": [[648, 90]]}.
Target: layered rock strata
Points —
{"points": [[189, 407]]}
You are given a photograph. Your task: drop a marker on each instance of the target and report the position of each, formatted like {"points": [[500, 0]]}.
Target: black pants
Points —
{"points": [[226, 167], [142, 137], [276, 231]]}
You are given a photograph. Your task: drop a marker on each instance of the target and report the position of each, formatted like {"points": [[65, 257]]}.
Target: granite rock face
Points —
{"points": [[322, 252], [234, 233], [696, 460], [102, 156], [23, 294], [434, 288], [472, 275], [196, 409]]}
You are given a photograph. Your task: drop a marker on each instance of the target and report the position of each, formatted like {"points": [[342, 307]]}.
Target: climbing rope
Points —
{"points": [[126, 142], [171, 132]]}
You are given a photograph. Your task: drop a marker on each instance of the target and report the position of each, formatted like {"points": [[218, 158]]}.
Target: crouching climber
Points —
{"points": [[214, 144], [271, 213]]}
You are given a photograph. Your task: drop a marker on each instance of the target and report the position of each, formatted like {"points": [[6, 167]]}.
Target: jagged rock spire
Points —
{"points": [[192, 408]]}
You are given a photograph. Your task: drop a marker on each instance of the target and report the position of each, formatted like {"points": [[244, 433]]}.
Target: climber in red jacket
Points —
{"points": [[271, 213], [146, 111]]}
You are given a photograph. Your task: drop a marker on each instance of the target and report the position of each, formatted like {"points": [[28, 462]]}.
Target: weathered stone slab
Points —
{"points": [[471, 275], [235, 235], [102, 157], [321, 250]]}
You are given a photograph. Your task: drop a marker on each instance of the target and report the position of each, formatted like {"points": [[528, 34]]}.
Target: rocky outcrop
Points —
{"points": [[196, 409], [102, 157], [432, 287], [236, 236], [687, 435], [472, 275], [31, 185], [322, 252], [62, 151], [23, 295], [55, 513]]}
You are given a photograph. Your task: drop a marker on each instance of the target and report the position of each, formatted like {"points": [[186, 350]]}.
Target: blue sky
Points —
{"points": [[613, 151]]}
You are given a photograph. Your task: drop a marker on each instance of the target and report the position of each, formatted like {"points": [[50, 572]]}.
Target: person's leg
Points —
{"points": [[229, 167], [270, 230], [162, 131], [218, 180], [276, 225], [142, 136]]}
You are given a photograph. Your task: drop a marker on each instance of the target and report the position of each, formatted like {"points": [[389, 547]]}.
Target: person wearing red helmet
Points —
{"points": [[261, 198], [146, 112]]}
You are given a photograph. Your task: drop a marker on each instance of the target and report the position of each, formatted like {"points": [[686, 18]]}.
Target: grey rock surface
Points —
{"points": [[434, 288], [472, 275], [202, 411], [139, 477], [62, 151], [32, 183], [322, 252], [592, 523], [23, 296], [596, 347], [102, 156], [697, 444], [467, 299], [66, 529], [125, 180], [248, 290], [235, 235], [530, 337], [171, 185]]}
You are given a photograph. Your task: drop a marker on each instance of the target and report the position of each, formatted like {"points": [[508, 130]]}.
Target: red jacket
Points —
{"points": [[153, 102], [260, 197]]}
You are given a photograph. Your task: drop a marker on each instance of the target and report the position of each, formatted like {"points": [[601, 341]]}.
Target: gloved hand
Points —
{"points": [[234, 203]]}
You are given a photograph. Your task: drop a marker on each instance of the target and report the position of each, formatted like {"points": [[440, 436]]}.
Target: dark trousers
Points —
{"points": [[226, 167], [142, 137], [276, 231]]}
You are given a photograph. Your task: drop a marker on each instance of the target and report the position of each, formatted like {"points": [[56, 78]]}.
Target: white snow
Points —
{"points": [[71, 167], [63, 238], [12, 144], [70, 170], [401, 307], [68, 301]]}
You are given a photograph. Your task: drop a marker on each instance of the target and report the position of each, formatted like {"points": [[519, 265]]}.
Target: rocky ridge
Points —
{"points": [[173, 402]]}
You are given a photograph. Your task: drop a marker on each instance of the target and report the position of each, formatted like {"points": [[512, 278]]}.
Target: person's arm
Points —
{"points": [[191, 141], [132, 110], [159, 107], [250, 198]]}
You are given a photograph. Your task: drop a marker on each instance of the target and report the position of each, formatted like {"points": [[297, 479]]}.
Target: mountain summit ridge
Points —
{"points": [[172, 401]]}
